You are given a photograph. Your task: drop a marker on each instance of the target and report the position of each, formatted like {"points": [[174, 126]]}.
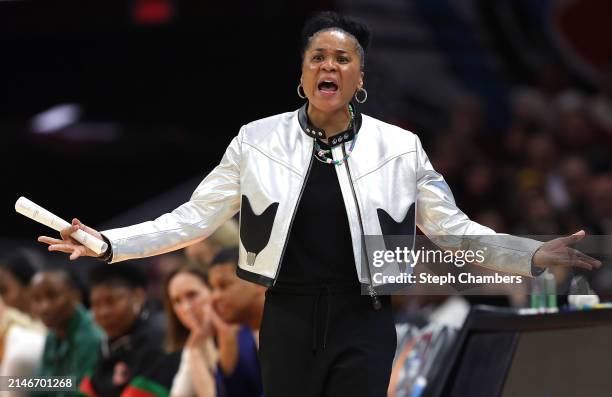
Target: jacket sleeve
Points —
{"points": [[215, 200], [448, 227]]}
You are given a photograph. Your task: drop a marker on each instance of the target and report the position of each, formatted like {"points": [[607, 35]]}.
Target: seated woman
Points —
{"points": [[21, 343], [73, 340], [132, 361], [192, 323], [22, 337]]}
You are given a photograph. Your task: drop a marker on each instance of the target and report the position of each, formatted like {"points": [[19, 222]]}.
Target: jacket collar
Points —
{"points": [[318, 133]]}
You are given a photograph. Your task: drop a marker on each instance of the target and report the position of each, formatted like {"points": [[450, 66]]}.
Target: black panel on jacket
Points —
{"points": [[397, 234], [255, 230]]}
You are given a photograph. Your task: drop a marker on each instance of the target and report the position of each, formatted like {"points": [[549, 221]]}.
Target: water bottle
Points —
{"points": [[550, 289]]}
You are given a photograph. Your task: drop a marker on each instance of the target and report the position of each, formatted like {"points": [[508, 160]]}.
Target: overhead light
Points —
{"points": [[56, 118]]}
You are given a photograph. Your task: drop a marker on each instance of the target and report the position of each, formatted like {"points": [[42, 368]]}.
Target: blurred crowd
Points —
{"points": [[548, 173], [182, 325]]}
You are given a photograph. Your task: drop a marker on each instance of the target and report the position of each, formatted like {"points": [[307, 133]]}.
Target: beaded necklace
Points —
{"points": [[321, 154]]}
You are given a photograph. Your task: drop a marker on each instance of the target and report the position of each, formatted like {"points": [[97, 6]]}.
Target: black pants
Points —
{"points": [[326, 344]]}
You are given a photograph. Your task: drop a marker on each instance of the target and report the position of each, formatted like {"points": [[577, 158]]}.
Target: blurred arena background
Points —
{"points": [[114, 111]]}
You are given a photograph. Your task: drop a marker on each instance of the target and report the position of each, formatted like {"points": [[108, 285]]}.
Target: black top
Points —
{"points": [[319, 251], [134, 354]]}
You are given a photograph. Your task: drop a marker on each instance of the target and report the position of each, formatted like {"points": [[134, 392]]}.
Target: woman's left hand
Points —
{"points": [[558, 252], [222, 329], [227, 340]]}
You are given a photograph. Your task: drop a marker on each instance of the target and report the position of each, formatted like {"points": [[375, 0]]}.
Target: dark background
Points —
{"points": [[173, 94], [512, 100]]}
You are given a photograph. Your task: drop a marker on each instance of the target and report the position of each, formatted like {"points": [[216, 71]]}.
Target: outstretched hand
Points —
{"points": [[558, 252], [68, 244]]}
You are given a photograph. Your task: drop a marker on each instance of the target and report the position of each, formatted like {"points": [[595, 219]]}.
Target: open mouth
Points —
{"points": [[328, 86]]}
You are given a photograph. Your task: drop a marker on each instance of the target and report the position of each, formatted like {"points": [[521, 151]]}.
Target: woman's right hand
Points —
{"points": [[68, 244], [202, 331]]}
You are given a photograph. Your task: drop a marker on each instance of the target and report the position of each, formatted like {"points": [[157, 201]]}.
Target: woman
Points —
{"points": [[131, 359], [192, 323], [310, 184], [188, 313], [22, 336], [22, 341], [73, 340], [16, 272]]}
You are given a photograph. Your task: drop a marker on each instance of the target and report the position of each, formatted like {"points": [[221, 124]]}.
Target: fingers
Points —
{"points": [[217, 322], [194, 317], [588, 259], [68, 247], [206, 313], [63, 247], [77, 253], [49, 240], [574, 238], [65, 233], [581, 264], [86, 229], [575, 258]]}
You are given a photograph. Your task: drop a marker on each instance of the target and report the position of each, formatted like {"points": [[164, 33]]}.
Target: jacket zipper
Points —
{"points": [[375, 300], [295, 208]]}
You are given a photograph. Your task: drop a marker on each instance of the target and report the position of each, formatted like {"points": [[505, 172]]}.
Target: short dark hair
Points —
{"points": [[329, 20], [22, 264], [68, 272], [226, 255], [125, 274]]}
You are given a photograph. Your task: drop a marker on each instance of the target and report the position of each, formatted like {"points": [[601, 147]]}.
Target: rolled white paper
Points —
{"points": [[39, 214]]}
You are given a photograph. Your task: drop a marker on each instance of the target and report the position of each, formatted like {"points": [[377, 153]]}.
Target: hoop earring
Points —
{"points": [[303, 96], [365, 95]]}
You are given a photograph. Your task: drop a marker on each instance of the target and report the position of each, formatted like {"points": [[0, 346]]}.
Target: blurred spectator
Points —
{"points": [[539, 217], [573, 129], [203, 252], [132, 361], [551, 79], [21, 343], [531, 111], [493, 219], [600, 202], [600, 107], [481, 187], [157, 273], [466, 120], [16, 271], [448, 161], [73, 340], [569, 185], [21, 337], [541, 155], [190, 329], [238, 302]]}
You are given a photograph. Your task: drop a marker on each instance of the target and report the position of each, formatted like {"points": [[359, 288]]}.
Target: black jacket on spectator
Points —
{"points": [[123, 359]]}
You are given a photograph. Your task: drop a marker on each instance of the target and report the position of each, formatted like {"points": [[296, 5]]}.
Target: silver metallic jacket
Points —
{"points": [[264, 171]]}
